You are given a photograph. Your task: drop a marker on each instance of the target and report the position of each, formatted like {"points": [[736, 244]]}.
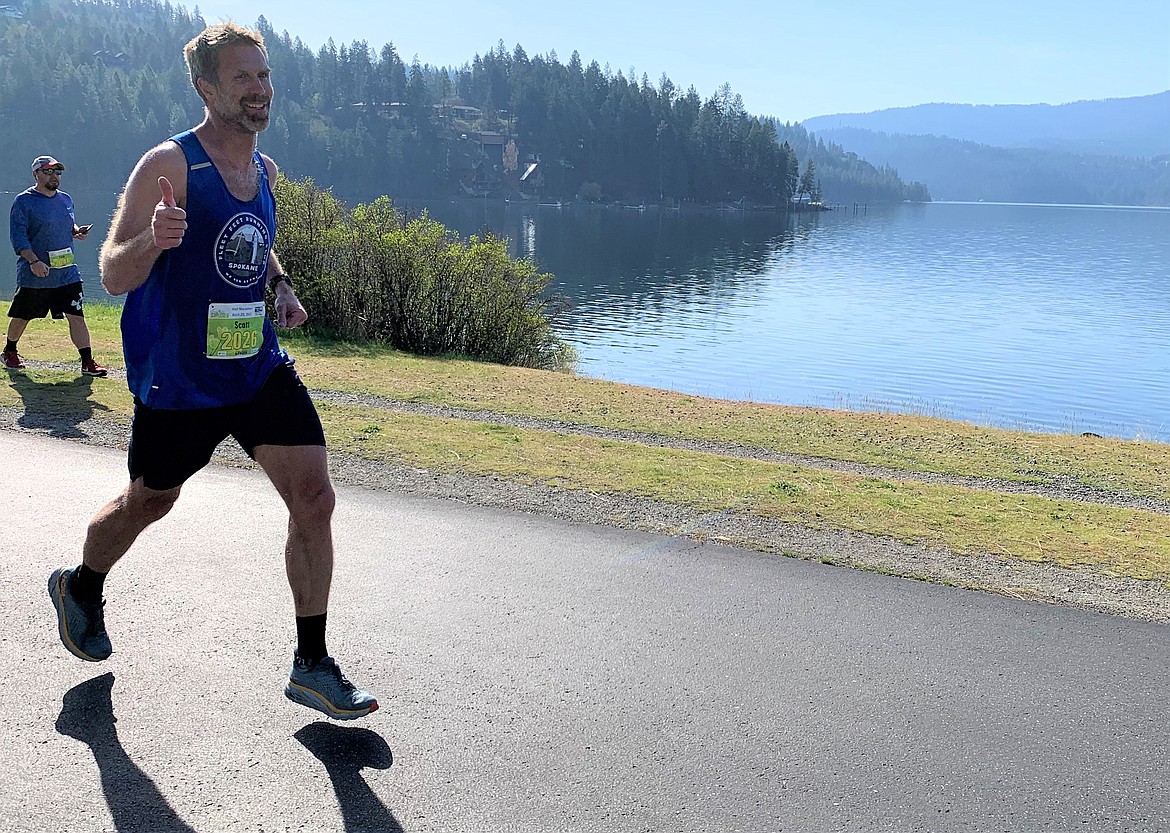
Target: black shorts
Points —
{"points": [[168, 446], [31, 302]]}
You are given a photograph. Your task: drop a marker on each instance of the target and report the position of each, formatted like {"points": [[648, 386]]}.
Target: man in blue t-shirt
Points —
{"points": [[42, 229]]}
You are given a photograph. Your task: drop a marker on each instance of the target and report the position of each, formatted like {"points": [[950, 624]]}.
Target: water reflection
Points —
{"points": [[1035, 317], [652, 252]]}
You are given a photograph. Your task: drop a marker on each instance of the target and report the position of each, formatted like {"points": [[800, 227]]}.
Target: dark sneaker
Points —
{"points": [[91, 368], [11, 360], [323, 687], [82, 625]]}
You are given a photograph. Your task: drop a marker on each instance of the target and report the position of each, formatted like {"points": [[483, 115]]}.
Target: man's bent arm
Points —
{"points": [[149, 219], [18, 228]]}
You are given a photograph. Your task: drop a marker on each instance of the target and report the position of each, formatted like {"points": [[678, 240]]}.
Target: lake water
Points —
{"points": [[1051, 318]]}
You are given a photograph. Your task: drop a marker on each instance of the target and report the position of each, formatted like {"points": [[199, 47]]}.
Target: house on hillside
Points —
{"points": [[492, 144], [463, 112], [112, 59], [468, 166]]}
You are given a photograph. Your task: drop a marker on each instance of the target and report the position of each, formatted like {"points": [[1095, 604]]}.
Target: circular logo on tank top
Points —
{"points": [[241, 251]]}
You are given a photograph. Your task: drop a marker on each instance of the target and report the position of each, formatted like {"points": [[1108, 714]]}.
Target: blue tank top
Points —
{"points": [[195, 335]]}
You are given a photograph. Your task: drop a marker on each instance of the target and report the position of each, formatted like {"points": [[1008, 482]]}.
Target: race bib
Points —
{"points": [[60, 258], [235, 331]]}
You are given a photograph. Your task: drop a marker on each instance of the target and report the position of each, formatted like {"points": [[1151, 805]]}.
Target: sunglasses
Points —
{"points": [[50, 172]]}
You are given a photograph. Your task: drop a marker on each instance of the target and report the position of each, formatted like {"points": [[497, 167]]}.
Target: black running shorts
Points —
{"points": [[168, 446], [31, 302]]}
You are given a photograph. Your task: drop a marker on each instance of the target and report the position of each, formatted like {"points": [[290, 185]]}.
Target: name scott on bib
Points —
{"points": [[241, 250]]}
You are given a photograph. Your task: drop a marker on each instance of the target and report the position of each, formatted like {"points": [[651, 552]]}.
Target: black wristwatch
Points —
{"points": [[275, 279]]}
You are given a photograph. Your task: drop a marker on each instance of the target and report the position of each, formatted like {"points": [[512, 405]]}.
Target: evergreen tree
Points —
{"points": [[808, 180]]}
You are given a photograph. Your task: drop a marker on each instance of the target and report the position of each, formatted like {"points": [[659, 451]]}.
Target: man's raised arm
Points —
{"points": [[149, 218]]}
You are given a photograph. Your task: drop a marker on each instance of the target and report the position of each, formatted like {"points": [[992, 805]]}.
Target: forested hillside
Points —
{"points": [[843, 171], [97, 83]]}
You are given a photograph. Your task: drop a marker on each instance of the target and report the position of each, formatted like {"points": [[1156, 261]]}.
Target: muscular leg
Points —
{"points": [[78, 331], [119, 523], [301, 476]]}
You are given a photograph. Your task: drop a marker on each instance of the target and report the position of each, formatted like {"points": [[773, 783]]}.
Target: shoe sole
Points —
{"points": [[100, 374], [303, 696], [56, 595]]}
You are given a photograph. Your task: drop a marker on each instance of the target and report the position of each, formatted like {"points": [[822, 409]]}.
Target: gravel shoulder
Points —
{"points": [[1142, 600]]}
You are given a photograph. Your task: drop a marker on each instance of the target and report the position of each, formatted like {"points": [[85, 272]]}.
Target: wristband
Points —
{"points": [[275, 279]]}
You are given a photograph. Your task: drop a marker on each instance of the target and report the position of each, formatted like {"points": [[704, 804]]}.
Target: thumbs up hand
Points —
{"points": [[170, 222]]}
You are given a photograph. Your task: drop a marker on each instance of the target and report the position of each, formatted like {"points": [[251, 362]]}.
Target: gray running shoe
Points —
{"points": [[82, 625], [323, 687]]}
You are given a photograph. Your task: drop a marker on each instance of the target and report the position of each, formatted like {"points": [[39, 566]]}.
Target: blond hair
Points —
{"points": [[202, 53]]}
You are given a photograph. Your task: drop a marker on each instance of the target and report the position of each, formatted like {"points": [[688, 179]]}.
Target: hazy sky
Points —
{"points": [[789, 60]]}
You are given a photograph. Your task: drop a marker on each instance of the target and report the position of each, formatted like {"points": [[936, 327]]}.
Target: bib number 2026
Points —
{"points": [[234, 331]]}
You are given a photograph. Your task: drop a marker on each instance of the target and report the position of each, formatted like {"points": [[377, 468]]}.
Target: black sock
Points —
{"points": [[86, 353], [311, 638], [10, 347], [86, 585]]}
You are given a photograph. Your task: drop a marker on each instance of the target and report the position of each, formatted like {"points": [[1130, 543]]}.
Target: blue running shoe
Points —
{"points": [[82, 625], [323, 687]]}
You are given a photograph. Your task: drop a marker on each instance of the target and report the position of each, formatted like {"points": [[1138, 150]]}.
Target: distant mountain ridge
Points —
{"points": [[1137, 126], [960, 170], [1115, 151]]}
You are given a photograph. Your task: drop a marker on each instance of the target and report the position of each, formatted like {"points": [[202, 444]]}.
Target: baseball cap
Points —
{"points": [[46, 162]]}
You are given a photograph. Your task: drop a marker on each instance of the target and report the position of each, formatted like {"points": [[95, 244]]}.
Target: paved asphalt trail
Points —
{"points": [[536, 675]]}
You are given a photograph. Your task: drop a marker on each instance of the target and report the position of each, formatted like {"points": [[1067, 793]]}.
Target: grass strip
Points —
{"points": [[1110, 540], [898, 441], [1114, 541]]}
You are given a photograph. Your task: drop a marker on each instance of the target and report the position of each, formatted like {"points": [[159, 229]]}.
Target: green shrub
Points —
{"points": [[372, 274]]}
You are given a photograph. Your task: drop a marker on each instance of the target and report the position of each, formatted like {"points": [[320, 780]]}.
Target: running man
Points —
{"points": [[191, 243]]}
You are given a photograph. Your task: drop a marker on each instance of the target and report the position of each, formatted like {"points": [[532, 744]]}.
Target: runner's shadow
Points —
{"points": [[345, 753], [57, 408], [87, 714]]}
